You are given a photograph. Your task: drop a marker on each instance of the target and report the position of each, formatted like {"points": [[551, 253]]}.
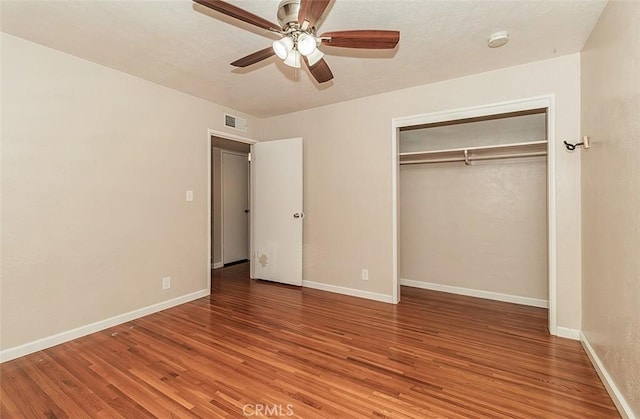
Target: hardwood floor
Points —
{"points": [[260, 349]]}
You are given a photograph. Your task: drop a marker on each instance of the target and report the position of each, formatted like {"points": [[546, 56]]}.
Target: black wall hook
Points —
{"points": [[584, 143]]}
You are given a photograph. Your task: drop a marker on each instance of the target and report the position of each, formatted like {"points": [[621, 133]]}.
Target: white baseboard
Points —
{"points": [[528, 301], [348, 291], [565, 332], [48, 342], [618, 399], [217, 265]]}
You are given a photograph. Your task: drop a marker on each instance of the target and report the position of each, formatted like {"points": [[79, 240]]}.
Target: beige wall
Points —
{"points": [[482, 227], [347, 174], [611, 195], [216, 212], [95, 164]]}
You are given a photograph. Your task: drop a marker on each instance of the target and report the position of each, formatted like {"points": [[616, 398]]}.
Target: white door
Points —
{"points": [[276, 173], [235, 205]]}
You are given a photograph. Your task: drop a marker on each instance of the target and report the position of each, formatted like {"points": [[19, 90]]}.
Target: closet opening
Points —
{"points": [[474, 207]]}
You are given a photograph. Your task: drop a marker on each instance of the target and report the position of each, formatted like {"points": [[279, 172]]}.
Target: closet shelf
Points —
{"points": [[469, 154]]}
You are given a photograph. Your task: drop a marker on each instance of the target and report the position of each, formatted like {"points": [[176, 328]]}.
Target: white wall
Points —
{"points": [[481, 227], [611, 197], [95, 164], [347, 175]]}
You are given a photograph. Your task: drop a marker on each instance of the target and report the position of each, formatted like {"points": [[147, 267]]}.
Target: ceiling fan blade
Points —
{"points": [[320, 70], [238, 13], [311, 11], [369, 39], [257, 56]]}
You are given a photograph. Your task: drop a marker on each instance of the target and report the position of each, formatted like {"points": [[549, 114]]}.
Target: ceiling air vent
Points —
{"points": [[235, 122]]}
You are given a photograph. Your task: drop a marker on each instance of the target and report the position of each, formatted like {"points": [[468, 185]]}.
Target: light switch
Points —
{"points": [[189, 196]]}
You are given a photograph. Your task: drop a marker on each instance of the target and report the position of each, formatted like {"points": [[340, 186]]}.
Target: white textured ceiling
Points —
{"points": [[187, 47]]}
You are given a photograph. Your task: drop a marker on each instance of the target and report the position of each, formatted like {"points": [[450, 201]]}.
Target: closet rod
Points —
{"points": [[494, 147], [472, 158]]}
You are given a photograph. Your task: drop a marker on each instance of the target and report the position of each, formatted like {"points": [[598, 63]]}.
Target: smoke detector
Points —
{"points": [[498, 39]]}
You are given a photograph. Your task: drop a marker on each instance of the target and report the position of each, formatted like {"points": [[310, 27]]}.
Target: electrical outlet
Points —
{"points": [[365, 274], [166, 282]]}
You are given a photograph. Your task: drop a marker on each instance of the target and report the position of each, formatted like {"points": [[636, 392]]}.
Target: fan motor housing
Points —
{"points": [[288, 12]]}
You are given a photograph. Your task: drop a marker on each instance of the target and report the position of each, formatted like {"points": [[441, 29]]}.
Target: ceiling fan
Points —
{"points": [[299, 41]]}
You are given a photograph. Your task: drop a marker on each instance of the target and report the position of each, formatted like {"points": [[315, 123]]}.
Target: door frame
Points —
{"points": [[231, 137], [546, 101], [236, 153]]}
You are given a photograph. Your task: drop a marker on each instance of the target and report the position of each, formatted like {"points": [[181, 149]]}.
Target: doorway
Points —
{"points": [[229, 217], [275, 189]]}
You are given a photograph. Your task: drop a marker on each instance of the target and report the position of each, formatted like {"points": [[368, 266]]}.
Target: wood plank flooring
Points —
{"points": [[259, 349]]}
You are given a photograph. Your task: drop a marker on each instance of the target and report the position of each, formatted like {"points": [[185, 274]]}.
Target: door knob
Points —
{"points": [[298, 215], [246, 211]]}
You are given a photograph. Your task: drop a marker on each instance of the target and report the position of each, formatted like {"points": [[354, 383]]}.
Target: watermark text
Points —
{"points": [[269, 410]]}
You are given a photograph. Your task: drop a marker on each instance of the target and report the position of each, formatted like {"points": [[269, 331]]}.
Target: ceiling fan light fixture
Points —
{"points": [[298, 20], [293, 59], [283, 47], [306, 44], [314, 57]]}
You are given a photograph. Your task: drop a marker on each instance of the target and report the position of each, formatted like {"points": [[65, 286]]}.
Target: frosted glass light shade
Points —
{"points": [[314, 57], [293, 59], [282, 47], [306, 44]]}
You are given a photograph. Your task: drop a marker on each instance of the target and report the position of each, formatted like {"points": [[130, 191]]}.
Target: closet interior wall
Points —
{"points": [[479, 226]]}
